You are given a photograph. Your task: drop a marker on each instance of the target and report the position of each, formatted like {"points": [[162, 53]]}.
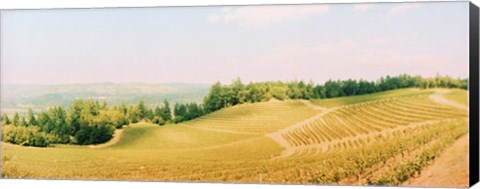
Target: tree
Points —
{"points": [[75, 117], [180, 110], [166, 112], [308, 91], [111, 118], [123, 108], [133, 114], [149, 114], [16, 119], [213, 101], [294, 90], [23, 122], [142, 111], [333, 89], [5, 119], [235, 91], [279, 92], [365, 87], [319, 92], [31, 117], [94, 133], [157, 112], [350, 87], [44, 121], [59, 123], [193, 110], [256, 92]]}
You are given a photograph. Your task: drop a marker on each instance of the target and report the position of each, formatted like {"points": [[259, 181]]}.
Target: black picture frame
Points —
{"points": [[474, 94]]}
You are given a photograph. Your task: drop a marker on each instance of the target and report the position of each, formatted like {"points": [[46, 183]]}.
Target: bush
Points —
{"points": [[27, 136], [178, 119], [158, 120]]}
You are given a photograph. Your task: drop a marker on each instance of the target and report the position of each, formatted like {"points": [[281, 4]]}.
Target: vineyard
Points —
{"points": [[377, 139], [257, 118], [354, 125]]}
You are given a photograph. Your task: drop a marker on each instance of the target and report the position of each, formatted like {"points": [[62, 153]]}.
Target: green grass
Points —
{"points": [[332, 102], [257, 118], [151, 136], [458, 95], [230, 145]]}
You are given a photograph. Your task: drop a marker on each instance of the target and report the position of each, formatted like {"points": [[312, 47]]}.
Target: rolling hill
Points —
{"points": [[381, 138]]}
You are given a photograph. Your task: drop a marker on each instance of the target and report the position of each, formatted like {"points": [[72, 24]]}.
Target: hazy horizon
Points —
{"points": [[192, 83], [203, 45]]}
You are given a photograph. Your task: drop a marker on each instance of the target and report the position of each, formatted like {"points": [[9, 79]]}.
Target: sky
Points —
{"points": [[220, 43]]}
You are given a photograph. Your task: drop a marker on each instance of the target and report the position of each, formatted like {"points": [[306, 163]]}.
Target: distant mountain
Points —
{"points": [[40, 97]]}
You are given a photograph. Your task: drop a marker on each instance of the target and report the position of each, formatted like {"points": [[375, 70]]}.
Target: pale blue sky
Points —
{"points": [[255, 43]]}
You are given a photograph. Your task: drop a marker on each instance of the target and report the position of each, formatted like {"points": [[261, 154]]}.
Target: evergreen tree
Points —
{"points": [[166, 113], [23, 122], [75, 117], [44, 121], [123, 108], [142, 111], [149, 114], [158, 111], [31, 117], [5, 119], [16, 119]]}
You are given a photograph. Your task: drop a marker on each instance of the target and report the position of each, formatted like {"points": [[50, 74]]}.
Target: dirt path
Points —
{"points": [[117, 134], [449, 169], [438, 97]]}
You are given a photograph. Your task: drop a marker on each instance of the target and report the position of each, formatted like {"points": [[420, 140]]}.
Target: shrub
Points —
{"points": [[27, 136], [178, 119], [158, 120]]}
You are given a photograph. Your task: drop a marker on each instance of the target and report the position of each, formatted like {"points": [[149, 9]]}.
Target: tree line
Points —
{"points": [[90, 122], [85, 122], [221, 96]]}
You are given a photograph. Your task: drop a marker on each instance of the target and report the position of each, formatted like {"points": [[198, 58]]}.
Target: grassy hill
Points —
{"points": [[342, 140]]}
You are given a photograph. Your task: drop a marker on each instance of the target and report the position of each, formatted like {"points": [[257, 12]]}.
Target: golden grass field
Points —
{"points": [[380, 139]]}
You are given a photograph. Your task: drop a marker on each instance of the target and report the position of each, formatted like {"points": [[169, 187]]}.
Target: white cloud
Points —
{"points": [[363, 7], [403, 7], [261, 16]]}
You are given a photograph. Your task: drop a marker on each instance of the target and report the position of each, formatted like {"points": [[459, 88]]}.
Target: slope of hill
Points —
{"points": [[382, 138]]}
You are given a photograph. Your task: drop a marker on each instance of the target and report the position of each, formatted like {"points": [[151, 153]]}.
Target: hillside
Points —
{"points": [[39, 97], [380, 138]]}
